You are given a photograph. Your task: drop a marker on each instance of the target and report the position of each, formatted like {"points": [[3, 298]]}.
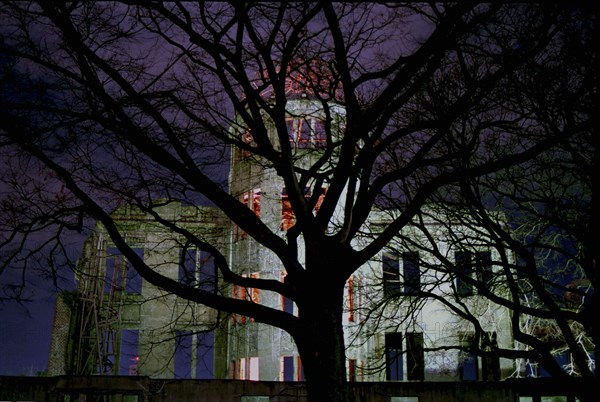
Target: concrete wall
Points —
{"points": [[84, 388]]}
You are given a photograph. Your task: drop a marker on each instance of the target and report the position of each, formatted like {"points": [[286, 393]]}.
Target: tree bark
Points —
{"points": [[321, 344]]}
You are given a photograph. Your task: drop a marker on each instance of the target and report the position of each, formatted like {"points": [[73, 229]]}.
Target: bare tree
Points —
{"points": [[128, 103]]}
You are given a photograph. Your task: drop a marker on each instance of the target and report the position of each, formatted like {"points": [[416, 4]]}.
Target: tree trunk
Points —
{"points": [[322, 347]]}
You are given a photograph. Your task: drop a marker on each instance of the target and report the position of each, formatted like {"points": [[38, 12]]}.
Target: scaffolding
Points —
{"points": [[99, 312]]}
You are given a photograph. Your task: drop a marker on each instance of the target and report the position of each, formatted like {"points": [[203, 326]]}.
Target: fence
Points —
{"points": [[145, 389]]}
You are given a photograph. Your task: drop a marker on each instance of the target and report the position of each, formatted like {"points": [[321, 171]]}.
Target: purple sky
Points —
{"points": [[25, 327]]}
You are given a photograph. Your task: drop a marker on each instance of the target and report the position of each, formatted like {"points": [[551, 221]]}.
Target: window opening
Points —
{"points": [[351, 299], [306, 132], [412, 273], [490, 364], [464, 267], [120, 275], [287, 304], [467, 363], [415, 361], [129, 356], [287, 368], [288, 218], [352, 370], [391, 274], [244, 293], [483, 260], [182, 358], [393, 356]]}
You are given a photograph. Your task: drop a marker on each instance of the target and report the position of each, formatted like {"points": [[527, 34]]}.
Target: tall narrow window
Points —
{"points": [[113, 280], [248, 140], [351, 299], [287, 304], [197, 268], [464, 268], [233, 370], [320, 134], [205, 347], [207, 272], [467, 363], [393, 356], [287, 368], [187, 266], [490, 363], [182, 357], [483, 261], [243, 369], [120, 275], [129, 357], [287, 213], [412, 273], [240, 293], [289, 122], [251, 199], [352, 370], [415, 360], [300, 370], [391, 274], [304, 133], [253, 369], [254, 292], [245, 293], [322, 192]]}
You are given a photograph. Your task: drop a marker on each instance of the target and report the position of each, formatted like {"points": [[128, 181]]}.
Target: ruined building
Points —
{"points": [[122, 325], [116, 323]]}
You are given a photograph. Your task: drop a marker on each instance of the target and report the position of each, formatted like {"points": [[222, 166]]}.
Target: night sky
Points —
{"points": [[25, 327]]}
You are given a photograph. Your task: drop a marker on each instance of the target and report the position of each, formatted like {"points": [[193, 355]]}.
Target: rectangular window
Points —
{"points": [[352, 370], [393, 356], [287, 304], [255, 292], [113, 280], [483, 261], [205, 347], [244, 293], [253, 369], [240, 293], [233, 372], [182, 358], [248, 140], [467, 362], [300, 369], [187, 266], [287, 369], [415, 359], [320, 133], [129, 358], [391, 274], [464, 272], [287, 213], [304, 133], [120, 275], [207, 273], [251, 199], [290, 129], [108, 343], [412, 273], [242, 367], [490, 364], [197, 268]]}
